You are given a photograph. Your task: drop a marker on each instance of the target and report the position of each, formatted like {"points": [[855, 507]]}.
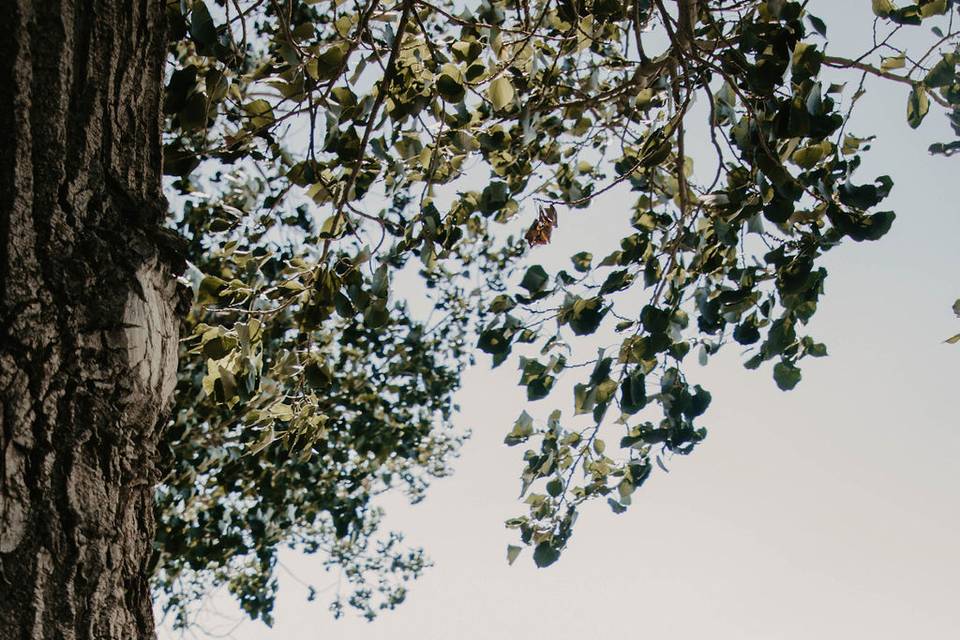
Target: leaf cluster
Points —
{"points": [[320, 152]]}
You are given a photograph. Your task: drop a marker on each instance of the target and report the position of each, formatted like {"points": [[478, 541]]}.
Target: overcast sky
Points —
{"points": [[828, 512]]}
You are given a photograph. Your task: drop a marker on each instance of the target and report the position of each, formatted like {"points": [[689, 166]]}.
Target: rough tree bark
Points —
{"points": [[88, 326]]}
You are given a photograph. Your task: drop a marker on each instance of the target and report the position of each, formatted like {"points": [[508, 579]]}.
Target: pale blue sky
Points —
{"points": [[830, 512]]}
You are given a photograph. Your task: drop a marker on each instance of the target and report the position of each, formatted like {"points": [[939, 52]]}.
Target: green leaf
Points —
{"points": [[814, 349], [209, 290], [380, 283], [555, 487], [202, 29], [865, 196], [545, 555], [260, 112], [943, 73], [818, 25], [522, 429], [746, 333], [615, 506], [495, 195], [333, 227], [883, 8], [917, 106], [266, 439], [581, 261], [281, 411], [617, 281], [932, 8], [633, 393], [806, 63], [906, 15], [535, 279], [496, 342], [786, 375], [502, 303], [450, 89], [781, 336], [585, 315], [809, 156], [654, 320], [376, 315], [584, 399], [500, 92], [466, 51], [893, 62], [512, 552], [326, 65], [193, 115], [539, 388], [699, 402]]}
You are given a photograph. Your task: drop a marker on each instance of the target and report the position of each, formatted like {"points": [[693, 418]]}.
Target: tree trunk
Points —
{"points": [[88, 325]]}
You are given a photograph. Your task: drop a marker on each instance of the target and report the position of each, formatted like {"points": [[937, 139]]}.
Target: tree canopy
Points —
{"points": [[365, 187]]}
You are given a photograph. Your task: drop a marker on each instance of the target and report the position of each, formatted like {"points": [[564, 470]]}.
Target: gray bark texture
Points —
{"points": [[88, 319]]}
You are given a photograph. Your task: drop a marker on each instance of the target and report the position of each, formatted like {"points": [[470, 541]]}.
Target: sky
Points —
{"points": [[828, 512]]}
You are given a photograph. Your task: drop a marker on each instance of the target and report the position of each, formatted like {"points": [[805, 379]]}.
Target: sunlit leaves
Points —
{"points": [[328, 155], [893, 62], [883, 8], [930, 8], [501, 93]]}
